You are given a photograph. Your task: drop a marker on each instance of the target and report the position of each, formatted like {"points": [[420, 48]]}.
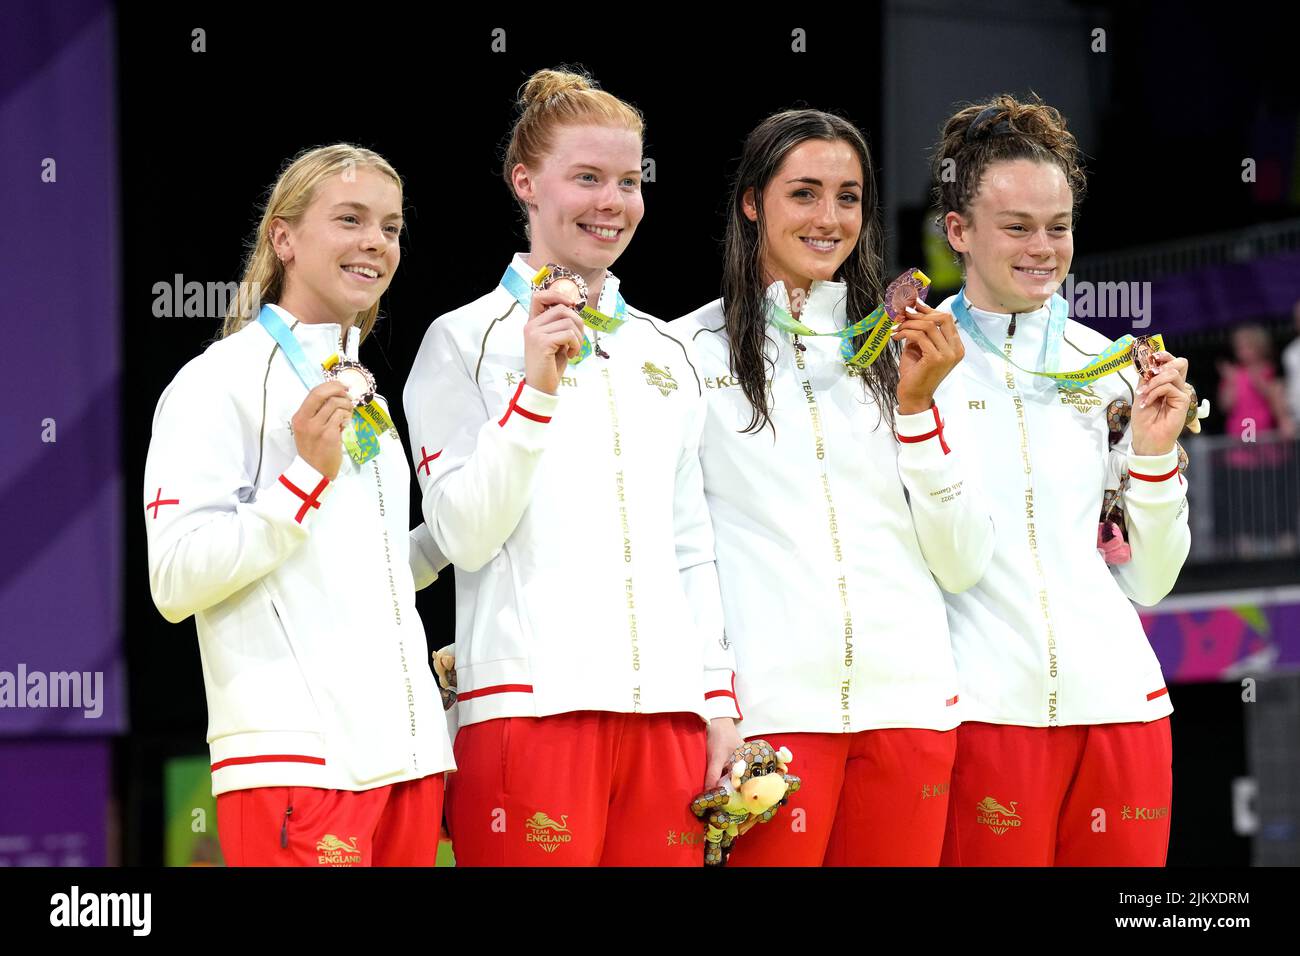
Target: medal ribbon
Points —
{"points": [[522, 290], [371, 411], [1115, 357], [877, 325], [359, 436]]}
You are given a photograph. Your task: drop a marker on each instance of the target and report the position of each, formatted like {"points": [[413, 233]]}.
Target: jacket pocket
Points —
{"points": [[288, 812], [296, 662]]}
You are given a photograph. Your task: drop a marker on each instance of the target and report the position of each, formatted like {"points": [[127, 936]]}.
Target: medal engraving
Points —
{"points": [[356, 378], [1144, 357], [903, 293], [569, 284]]}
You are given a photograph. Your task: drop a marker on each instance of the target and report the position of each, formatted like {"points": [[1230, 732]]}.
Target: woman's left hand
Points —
{"points": [[723, 740], [1161, 409]]}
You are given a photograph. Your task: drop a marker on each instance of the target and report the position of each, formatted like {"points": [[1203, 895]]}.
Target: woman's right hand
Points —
{"points": [[933, 350], [553, 335], [318, 427]]}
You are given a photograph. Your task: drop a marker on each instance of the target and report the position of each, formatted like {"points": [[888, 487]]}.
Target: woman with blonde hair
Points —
{"points": [[276, 502], [554, 431]]}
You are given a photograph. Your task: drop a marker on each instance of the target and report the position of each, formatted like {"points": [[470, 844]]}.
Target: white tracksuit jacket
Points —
{"points": [[303, 589], [1048, 636], [828, 576], [577, 522]]}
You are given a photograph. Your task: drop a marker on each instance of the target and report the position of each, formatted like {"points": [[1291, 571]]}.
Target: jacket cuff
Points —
{"points": [[1154, 478], [920, 436], [529, 411], [720, 694], [297, 494], [426, 559]]}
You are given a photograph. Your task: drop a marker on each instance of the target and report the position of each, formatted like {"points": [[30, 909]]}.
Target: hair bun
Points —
{"points": [[544, 84], [1001, 129], [991, 121]]}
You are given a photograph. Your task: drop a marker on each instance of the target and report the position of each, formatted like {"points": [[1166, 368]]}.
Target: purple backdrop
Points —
{"points": [[1212, 297], [60, 569], [55, 808], [1226, 296], [1226, 635]]}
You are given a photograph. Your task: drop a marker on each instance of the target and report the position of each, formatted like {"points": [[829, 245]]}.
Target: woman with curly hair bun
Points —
{"points": [[1064, 753]]}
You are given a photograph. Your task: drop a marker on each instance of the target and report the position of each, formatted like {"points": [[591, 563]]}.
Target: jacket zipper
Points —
{"points": [[1053, 678], [803, 378]]}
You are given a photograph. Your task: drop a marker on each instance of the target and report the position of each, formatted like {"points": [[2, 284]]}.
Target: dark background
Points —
{"points": [[203, 137]]}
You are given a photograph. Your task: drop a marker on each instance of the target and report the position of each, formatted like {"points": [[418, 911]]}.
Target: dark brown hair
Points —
{"points": [[744, 286], [999, 130]]}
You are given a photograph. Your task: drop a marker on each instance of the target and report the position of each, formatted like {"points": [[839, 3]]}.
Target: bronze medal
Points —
{"points": [[903, 293], [1143, 357], [356, 378], [569, 284]]}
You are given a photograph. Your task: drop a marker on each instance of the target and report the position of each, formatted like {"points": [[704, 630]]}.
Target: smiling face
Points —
{"points": [[1017, 238], [340, 256], [584, 199], [812, 213]]}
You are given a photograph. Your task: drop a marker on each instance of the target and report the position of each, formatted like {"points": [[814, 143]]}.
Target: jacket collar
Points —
{"points": [[608, 290], [1031, 327], [824, 307], [320, 340]]}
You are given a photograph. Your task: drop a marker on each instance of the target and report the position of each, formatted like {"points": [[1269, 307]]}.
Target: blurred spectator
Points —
{"points": [[1255, 502], [1291, 370], [1251, 396]]}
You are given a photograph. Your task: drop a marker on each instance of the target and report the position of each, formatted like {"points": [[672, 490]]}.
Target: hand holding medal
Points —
{"points": [[339, 408], [906, 292], [571, 286], [318, 427], [1163, 399], [1144, 352], [356, 378], [369, 420], [932, 347], [553, 333]]}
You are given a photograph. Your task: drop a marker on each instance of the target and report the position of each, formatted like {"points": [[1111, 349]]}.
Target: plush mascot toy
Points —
{"points": [[444, 665], [756, 789]]}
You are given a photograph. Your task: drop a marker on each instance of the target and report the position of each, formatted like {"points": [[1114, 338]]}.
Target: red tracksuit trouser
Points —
{"points": [[394, 825], [873, 798], [1088, 795], [589, 788]]}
